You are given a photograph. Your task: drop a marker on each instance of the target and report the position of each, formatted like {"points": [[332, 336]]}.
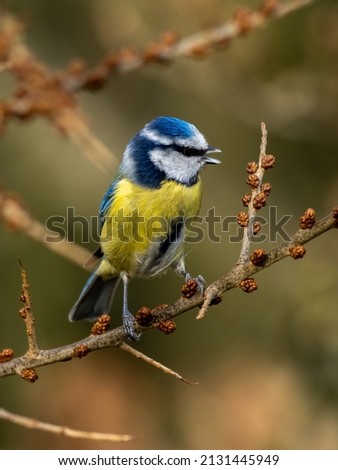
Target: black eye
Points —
{"points": [[189, 151]]}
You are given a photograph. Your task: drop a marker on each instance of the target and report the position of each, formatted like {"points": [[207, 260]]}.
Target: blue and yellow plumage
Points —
{"points": [[143, 213]]}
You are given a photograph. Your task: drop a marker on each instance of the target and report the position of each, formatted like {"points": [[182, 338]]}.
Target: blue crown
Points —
{"points": [[171, 127]]}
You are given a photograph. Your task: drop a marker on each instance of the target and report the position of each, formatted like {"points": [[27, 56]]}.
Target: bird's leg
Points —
{"points": [[179, 268], [127, 318]]}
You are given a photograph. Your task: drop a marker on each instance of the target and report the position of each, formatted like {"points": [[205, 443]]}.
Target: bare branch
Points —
{"points": [[40, 92], [254, 201], [32, 423], [26, 313], [158, 365], [257, 176], [72, 124], [17, 218], [170, 47], [113, 338], [45, 93]]}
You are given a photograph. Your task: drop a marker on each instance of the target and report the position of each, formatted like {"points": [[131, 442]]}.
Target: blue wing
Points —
{"points": [[103, 209], [107, 200]]}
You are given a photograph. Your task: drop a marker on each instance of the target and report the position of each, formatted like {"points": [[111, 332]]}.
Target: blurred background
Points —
{"points": [[266, 363]]}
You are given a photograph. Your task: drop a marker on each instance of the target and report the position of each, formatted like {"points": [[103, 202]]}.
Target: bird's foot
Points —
{"points": [[129, 326], [199, 281]]}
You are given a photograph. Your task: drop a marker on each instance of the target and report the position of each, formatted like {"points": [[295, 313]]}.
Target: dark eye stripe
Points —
{"points": [[188, 151]]}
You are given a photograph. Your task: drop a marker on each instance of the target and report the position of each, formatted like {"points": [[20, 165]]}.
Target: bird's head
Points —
{"points": [[167, 148]]}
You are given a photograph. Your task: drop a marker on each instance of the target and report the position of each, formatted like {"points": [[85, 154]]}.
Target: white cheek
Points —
{"points": [[158, 157], [176, 166]]}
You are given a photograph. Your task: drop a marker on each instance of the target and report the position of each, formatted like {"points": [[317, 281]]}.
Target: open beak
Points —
{"points": [[210, 160]]}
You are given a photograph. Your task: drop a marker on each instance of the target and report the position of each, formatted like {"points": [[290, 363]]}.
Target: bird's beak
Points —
{"points": [[210, 160]]}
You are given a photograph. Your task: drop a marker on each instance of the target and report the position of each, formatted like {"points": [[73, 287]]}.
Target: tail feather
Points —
{"points": [[95, 299]]}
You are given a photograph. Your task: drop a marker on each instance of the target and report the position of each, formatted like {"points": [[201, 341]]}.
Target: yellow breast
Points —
{"points": [[139, 218]]}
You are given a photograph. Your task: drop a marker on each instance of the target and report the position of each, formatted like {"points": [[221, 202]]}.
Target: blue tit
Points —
{"points": [[143, 214]]}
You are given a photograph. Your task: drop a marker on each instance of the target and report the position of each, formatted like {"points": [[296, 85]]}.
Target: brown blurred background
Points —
{"points": [[267, 364]]}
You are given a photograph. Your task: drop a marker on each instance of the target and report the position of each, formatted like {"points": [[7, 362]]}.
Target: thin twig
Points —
{"points": [[255, 180], [72, 124], [17, 218], [243, 21], [209, 295], [259, 173], [32, 423], [169, 48], [40, 92], [26, 314], [158, 365]]}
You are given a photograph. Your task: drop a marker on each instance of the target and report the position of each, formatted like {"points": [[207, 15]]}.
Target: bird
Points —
{"points": [[143, 214]]}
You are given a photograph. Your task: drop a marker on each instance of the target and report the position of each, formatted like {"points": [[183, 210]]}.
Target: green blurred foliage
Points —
{"points": [[266, 363]]}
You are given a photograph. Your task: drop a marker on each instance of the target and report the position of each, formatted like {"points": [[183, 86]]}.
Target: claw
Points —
{"points": [[199, 281], [129, 328]]}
